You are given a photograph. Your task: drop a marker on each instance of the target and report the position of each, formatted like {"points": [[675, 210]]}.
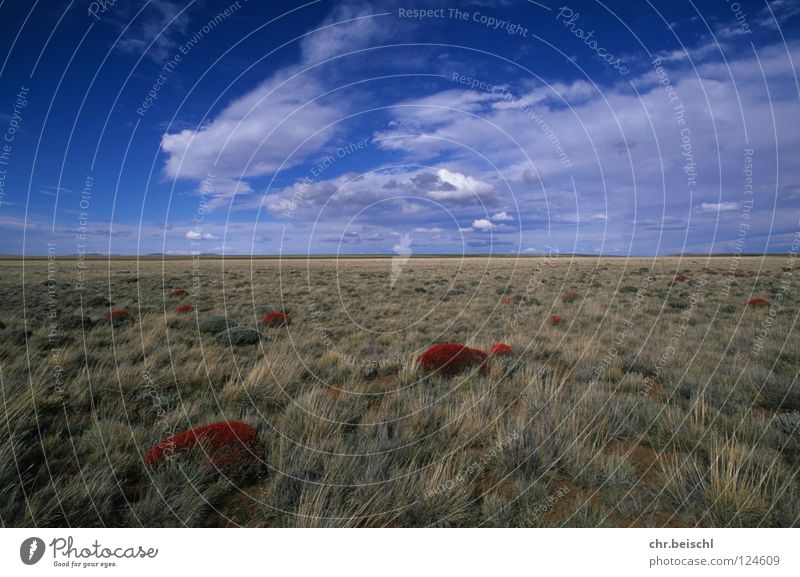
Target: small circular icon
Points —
{"points": [[31, 551]]}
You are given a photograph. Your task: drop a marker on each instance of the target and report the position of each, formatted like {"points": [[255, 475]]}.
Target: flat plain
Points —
{"points": [[638, 392]]}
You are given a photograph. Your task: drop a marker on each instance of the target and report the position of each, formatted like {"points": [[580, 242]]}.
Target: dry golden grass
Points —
{"points": [[654, 402]]}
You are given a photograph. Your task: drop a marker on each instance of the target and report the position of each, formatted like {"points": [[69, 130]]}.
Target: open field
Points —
{"points": [[661, 398]]}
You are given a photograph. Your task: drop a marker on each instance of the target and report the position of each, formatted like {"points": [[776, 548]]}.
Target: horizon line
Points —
{"points": [[296, 256]]}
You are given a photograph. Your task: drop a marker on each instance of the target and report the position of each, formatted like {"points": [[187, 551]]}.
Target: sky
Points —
{"points": [[501, 127]]}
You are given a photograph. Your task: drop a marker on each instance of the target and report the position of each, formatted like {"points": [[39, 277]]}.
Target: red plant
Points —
{"points": [[116, 314], [776, 276], [227, 444], [276, 319], [555, 320], [451, 359], [787, 269], [680, 278], [757, 302], [178, 293], [569, 297], [741, 274], [506, 300], [501, 350], [184, 309]]}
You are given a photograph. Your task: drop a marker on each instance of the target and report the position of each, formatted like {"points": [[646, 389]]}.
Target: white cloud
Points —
{"points": [[409, 190], [277, 125], [358, 28], [621, 141], [714, 207], [197, 235], [556, 92], [461, 187], [693, 53], [624, 149], [482, 224]]}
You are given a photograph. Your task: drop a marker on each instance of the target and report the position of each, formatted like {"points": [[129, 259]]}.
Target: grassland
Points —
{"points": [[655, 402]]}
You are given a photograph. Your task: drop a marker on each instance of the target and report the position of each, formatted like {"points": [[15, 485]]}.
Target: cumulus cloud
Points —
{"points": [[482, 224], [197, 235], [495, 222], [615, 156], [277, 125], [458, 186], [409, 191], [588, 164]]}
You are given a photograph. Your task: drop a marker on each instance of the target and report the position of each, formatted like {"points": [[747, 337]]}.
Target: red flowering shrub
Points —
{"points": [[178, 293], [569, 297], [118, 315], [501, 350], [228, 445], [757, 302], [184, 309], [451, 359], [680, 278], [506, 300], [276, 319], [555, 320]]}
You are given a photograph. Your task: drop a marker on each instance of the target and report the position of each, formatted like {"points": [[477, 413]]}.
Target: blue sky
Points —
{"points": [[501, 127]]}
